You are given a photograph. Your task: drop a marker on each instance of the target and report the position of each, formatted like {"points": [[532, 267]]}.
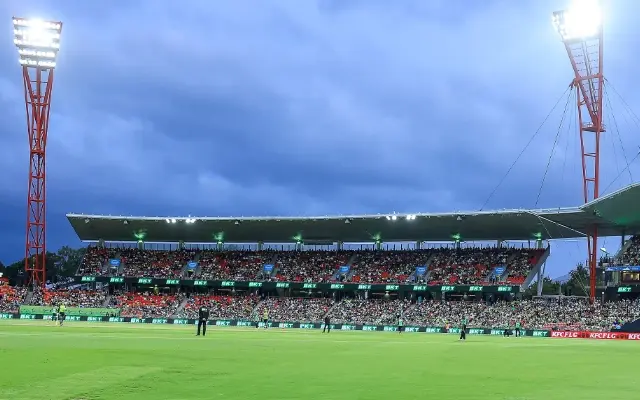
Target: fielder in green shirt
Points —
{"points": [[62, 309]]}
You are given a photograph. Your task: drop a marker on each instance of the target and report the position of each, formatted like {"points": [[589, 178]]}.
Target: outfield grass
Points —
{"points": [[116, 361]]}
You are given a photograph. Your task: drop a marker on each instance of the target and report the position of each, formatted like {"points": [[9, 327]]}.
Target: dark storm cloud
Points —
{"points": [[299, 108]]}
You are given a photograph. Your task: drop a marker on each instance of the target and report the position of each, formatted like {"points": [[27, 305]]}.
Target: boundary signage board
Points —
{"points": [[303, 285], [293, 325]]}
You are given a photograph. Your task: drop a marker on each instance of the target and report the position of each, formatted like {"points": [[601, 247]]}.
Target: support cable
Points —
{"points": [[524, 150], [553, 149], [623, 102], [615, 125], [541, 218], [585, 288], [623, 171], [569, 141]]}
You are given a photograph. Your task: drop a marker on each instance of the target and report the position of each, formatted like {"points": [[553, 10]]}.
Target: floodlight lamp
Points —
{"points": [[38, 42], [583, 20]]}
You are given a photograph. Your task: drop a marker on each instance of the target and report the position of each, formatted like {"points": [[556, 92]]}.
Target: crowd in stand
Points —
{"points": [[208, 264], [475, 266], [95, 261], [289, 309], [155, 263], [550, 313], [358, 311], [557, 314], [71, 298], [310, 266], [463, 266], [141, 305], [233, 265], [521, 263], [388, 266], [631, 255], [466, 266], [221, 307], [11, 298]]}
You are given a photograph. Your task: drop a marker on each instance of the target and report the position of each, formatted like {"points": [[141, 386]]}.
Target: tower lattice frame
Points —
{"points": [[586, 57]]}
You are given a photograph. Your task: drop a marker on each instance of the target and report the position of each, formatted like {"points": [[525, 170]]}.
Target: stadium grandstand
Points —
{"points": [[423, 267]]}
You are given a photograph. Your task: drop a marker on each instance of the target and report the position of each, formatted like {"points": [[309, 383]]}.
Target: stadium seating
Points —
{"points": [[309, 266], [554, 313], [11, 298], [465, 266], [94, 261], [233, 265], [521, 263], [368, 311], [631, 256], [567, 314], [290, 309], [71, 298], [221, 307], [147, 305], [388, 266], [155, 263], [209, 264], [472, 266]]}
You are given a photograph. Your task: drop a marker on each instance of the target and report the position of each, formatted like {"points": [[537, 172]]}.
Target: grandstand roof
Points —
{"points": [[615, 214]]}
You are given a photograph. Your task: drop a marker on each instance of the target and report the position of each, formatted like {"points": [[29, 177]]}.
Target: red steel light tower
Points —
{"points": [[581, 30], [38, 43]]}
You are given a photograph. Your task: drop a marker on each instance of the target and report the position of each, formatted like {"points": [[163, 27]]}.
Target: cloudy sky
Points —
{"points": [[301, 107]]}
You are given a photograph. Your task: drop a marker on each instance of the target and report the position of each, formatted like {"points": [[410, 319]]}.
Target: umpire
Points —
{"points": [[327, 324], [203, 316], [463, 330]]}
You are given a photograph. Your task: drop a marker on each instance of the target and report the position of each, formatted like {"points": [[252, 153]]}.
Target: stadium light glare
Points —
{"points": [[38, 42], [582, 20]]}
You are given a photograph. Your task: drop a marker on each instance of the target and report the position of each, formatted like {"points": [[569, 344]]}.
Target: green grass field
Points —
{"points": [[115, 361]]}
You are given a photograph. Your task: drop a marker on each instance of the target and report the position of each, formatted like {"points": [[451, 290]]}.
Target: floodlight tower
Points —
{"points": [[38, 43], [580, 27]]}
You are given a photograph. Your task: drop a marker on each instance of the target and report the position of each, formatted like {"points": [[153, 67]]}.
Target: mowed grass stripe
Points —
{"points": [[82, 385]]}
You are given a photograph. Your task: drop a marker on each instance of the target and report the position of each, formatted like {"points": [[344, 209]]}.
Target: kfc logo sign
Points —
{"points": [[597, 335], [605, 335], [564, 334]]}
